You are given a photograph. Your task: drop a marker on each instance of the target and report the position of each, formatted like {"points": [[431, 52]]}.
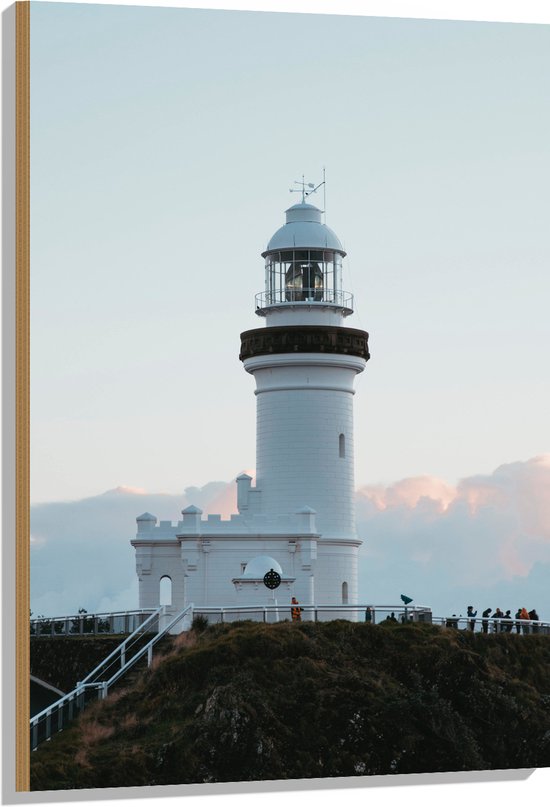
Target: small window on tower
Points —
{"points": [[344, 593], [342, 445]]}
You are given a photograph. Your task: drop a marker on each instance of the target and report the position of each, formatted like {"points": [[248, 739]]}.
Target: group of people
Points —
{"points": [[505, 623], [506, 620]]}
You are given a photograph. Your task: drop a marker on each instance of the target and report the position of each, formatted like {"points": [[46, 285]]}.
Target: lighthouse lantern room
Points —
{"points": [[296, 273], [300, 511]]}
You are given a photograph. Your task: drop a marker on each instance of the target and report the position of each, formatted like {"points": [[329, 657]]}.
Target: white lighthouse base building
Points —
{"points": [[221, 562], [299, 518]]}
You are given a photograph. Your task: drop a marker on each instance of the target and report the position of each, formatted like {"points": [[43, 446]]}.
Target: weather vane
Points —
{"points": [[304, 185]]}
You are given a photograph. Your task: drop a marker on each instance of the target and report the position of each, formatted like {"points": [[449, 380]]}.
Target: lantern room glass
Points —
{"points": [[303, 275]]}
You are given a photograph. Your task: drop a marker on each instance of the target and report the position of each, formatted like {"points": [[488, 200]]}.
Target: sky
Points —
{"points": [[164, 143], [163, 146]]}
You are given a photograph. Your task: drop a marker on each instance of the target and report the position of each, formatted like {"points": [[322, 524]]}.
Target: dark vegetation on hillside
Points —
{"points": [[63, 661], [250, 701]]}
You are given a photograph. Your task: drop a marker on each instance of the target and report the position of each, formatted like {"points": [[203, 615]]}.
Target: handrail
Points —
{"points": [[86, 615], [123, 645], [62, 701], [310, 606], [306, 607], [148, 647], [86, 623], [402, 613], [319, 296]]}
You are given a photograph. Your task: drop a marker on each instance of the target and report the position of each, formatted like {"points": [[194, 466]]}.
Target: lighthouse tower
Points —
{"points": [[298, 518], [304, 362]]}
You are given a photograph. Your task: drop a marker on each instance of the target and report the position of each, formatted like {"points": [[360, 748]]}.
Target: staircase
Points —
{"points": [[110, 672]]}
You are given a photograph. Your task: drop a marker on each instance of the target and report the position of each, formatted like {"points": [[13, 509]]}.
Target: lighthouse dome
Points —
{"points": [[260, 565], [304, 229]]}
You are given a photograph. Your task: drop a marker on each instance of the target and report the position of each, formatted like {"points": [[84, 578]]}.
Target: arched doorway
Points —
{"points": [[165, 590]]}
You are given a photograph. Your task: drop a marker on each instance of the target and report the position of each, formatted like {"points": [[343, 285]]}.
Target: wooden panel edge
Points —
{"points": [[22, 389]]}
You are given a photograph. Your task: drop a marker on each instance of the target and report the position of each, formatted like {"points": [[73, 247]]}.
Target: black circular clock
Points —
{"points": [[272, 579]]}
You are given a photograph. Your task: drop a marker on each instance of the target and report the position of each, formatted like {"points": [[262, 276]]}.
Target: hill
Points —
{"points": [[250, 701]]}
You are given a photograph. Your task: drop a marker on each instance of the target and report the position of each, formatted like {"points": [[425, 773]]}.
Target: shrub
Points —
{"points": [[199, 623]]}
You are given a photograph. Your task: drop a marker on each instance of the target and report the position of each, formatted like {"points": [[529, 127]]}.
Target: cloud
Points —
{"points": [[224, 502], [489, 534], [409, 492], [80, 550], [485, 541]]}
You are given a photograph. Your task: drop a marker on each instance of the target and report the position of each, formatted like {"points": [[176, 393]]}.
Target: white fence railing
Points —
{"points": [[126, 622], [374, 614], [312, 613], [84, 624]]}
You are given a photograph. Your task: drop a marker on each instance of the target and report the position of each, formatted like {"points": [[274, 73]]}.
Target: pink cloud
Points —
{"points": [[410, 492], [488, 527], [225, 502]]}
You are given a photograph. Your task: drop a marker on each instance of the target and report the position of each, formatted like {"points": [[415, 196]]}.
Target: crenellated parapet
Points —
{"points": [[239, 525]]}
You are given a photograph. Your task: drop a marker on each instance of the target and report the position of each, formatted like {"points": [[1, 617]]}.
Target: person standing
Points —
{"points": [[518, 624], [484, 622], [535, 617], [524, 614], [508, 626], [471, 613], [497, 615], [295, 611]]}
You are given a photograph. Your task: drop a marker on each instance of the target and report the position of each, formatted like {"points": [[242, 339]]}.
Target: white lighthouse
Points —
{"points": [[299, 516]]}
